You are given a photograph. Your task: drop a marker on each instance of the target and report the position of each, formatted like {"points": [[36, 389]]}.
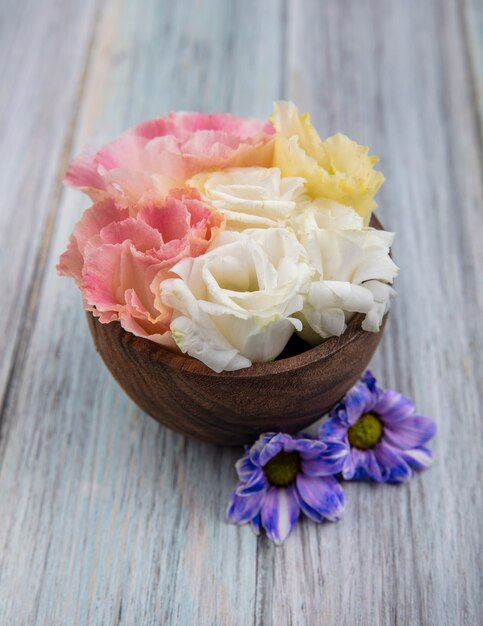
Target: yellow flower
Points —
{"points": [[337, 168]]}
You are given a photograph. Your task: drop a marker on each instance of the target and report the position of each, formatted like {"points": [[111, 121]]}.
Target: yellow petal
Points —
{"points": [[337, 168]]}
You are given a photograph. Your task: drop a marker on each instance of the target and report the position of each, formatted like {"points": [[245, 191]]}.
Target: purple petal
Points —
{"points": [[245, 468], [308, 448], [255, 524], [292, 443], [274, 446], [417, 458], [369, 380], [392, 406], [349, 467], [338, 413], [258, 482], [412, 432], [332, 428], [320, 497], [359, 400], [371, 467], [280, 512], [394, 468], [329, 462], [363, 466], [242, 509], [258, 447]]}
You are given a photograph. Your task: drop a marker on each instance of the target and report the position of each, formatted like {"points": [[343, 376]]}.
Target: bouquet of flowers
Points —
{"points": [[220, 236]]}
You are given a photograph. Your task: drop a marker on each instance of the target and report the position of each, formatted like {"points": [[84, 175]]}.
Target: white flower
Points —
{"points": [[383, 295], [325, 214], [250, 197], [233, 306], [354, 272], [350, 255]]}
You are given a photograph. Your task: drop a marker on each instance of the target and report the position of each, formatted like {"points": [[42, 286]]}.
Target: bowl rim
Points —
{"points": [[156, 352]]}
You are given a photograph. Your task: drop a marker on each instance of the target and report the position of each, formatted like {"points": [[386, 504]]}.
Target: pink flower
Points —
{"points": [[114, 257], [158, 155]]}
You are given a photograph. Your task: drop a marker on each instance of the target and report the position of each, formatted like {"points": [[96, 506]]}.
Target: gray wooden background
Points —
{"points": [[106, 517]]}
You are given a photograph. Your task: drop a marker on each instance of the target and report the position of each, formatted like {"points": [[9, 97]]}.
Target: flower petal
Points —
{"points": [[163, 153], [234, 304], [329, 461], [359, 400], [366, 466], [242, 509], [91, 223], [258, 482], [349, 467], [369, 380], [336, 168], [392, 406], [393, 466], [411, 432], [280, 512], [255, 524], [332, 428], [383, 295], [320, 497], [250, 197], [273, 447], [245, 468], [254, 451], [418, 458], [306, 446]]}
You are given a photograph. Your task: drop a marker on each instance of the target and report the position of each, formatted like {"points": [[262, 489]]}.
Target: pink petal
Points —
{"points": [[111, 270], [124, 152], [82, 172], [160, 154], [136, 319], [172, 219], [142, 236], [157, 127], [93, 220], [242, 127]]}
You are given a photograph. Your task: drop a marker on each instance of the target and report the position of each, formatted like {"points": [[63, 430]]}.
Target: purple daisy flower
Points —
{"points": [[385, 436], [280, 476]]}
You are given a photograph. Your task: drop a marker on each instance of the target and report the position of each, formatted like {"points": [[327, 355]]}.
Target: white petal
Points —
{"points": [[383, 295], [351, 255], [235, 304], [328, 303], [251, 197], [206, 345], [326, 214]]}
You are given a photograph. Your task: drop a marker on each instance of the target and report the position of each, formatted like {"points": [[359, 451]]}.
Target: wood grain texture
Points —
{"points": [[473, 24], [106, 517], [234, 408], [43, 48]]}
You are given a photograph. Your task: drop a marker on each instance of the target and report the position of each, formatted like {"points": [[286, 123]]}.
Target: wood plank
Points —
{"points": [[473, 13], [42, 50], [107, 518], [395, 76]]}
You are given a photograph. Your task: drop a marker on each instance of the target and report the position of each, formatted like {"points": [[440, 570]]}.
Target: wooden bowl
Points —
{"points": [[233, 408]]}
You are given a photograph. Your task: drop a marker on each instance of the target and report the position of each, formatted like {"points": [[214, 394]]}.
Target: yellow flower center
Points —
{"points": [[366, 432], [282, 469]]}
